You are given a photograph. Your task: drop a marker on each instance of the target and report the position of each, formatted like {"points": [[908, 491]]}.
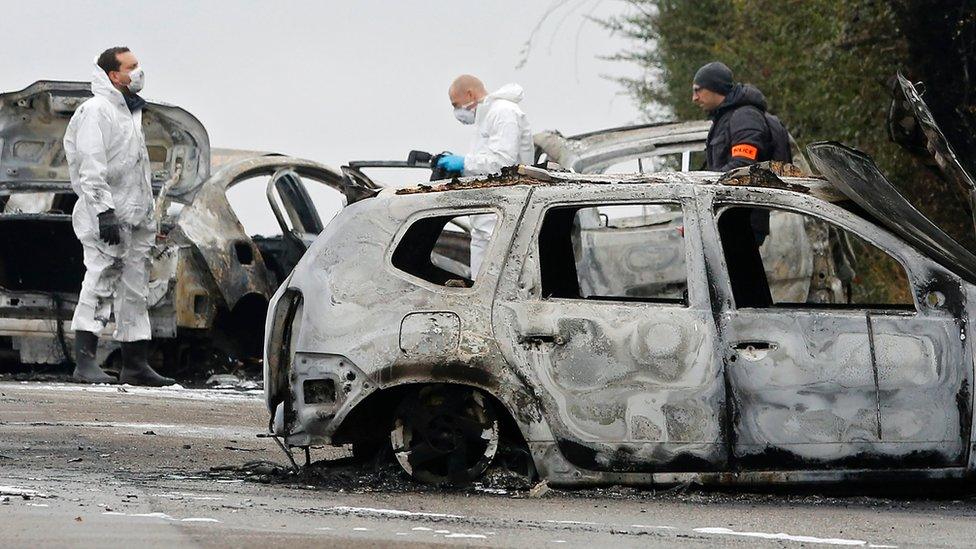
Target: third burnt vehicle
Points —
{"points": [[210, 280], [708, 374]]}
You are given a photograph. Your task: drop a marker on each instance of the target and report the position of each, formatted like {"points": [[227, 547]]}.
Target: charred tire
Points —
{"points": [[445, 434]]}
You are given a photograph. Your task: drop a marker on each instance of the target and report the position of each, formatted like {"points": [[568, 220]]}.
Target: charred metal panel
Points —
{"points": [[938, 145], [195, 300], [647, 255], [918, 415], [321, 385], [210, 224], [625, 386], [426, 334], [282, 325], [631, 386], [360, 306], [34, 119], [922, 379], [595, 152], [624, 391], [969, 317], [802, 384]]}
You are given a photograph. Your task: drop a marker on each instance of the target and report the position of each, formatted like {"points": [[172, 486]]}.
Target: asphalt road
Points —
{"points": [[100, 466]]}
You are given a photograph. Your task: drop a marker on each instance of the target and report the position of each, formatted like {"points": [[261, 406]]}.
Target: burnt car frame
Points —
{"points": [[605, 390], [210, 280], [372, 341]]}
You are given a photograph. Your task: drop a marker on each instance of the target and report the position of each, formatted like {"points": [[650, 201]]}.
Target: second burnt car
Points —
{"points": [[210, 280], [713, 377]]}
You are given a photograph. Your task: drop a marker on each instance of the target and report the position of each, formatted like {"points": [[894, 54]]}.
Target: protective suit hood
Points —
{"points": [[503, 136], [509, 92], [101, 86]]}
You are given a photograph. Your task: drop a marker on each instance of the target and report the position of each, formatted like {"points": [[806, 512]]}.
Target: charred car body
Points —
{"points": [[710, 373], [210, 281]]}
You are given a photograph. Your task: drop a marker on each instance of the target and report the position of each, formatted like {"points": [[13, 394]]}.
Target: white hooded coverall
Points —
{"points": [[502, 138], [109, 168]]}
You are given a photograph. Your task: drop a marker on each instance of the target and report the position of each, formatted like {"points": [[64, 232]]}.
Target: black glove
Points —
{"points": [[108, 227], [441, 173]]}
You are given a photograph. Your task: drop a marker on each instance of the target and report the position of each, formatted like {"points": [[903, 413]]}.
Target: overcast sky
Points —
{"points": [[333, 80]]}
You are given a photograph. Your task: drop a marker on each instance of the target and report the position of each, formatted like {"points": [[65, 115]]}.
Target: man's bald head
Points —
{"points": [[466, 89]]}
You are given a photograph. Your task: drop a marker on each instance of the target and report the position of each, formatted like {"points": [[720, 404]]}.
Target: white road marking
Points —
{"points": [[420, 529], [162, 516], [655, 527], [389, 512], [473, 536], [574, 522], [22, 492], [182, 495], [782, 536], [361, 529]]}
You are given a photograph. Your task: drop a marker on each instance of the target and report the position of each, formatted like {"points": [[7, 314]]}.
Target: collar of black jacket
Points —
{"points": [[741, 95], [133, 101]]}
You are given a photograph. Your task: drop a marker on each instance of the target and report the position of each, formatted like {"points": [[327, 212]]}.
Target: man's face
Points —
{"points": [[127, 64], [707, 100]]}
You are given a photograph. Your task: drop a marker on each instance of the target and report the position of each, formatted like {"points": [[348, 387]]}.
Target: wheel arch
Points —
{"points": [[372, 417]]}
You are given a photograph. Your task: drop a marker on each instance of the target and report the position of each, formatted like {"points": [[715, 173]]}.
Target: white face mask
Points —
{"points": [[137, 80], [464, 115]]}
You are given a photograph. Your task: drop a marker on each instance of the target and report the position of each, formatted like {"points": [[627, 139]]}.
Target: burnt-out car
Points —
{"points": [[713, 377], [210, 280]]}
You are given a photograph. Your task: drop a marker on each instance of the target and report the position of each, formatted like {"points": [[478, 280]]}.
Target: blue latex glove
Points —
{"points": [[451, 163]]}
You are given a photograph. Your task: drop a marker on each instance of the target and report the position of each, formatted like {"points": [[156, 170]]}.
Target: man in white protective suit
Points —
{"points": [[113, 218], [502, 138]]}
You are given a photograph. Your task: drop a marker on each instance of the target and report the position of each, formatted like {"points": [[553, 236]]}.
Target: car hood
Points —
{"points": [[957, 169], [34, 119], [855, 174]]}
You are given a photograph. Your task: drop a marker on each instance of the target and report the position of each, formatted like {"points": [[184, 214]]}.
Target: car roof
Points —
{"points": [[765, 175]]}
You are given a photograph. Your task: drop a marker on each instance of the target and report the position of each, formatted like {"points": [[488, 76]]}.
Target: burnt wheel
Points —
{"points": [[444, 434]]}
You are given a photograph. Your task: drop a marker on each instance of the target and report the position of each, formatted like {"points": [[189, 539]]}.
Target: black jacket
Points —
{"points": [[740, 135]]}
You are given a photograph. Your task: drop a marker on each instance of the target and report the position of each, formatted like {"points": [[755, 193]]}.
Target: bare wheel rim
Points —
{"points": [[445, 434]]}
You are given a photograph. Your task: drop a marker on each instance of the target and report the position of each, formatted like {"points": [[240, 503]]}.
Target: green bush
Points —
{"points": [[827, 68]]}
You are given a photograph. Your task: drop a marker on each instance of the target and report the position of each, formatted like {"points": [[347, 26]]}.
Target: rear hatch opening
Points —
{"points": [[39, 251]]}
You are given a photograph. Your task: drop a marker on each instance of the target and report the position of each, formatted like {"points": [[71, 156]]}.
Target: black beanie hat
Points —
{"points": [[715, 76]]}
